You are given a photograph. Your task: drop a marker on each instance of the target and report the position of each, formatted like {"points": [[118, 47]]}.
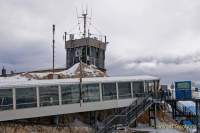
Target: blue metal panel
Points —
{"points": [[183, 90]]}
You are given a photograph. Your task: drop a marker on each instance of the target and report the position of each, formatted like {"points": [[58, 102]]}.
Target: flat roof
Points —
{"points": [[85, 42], [33, 82]]}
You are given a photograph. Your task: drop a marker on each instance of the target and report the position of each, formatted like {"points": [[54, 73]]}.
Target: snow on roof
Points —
{"points": [[71, 71], [87, 70], [14, 83], [15, 78], [39, 75]]}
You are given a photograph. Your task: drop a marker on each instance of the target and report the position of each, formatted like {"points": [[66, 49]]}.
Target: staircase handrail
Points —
{"points": [[125, 113]]}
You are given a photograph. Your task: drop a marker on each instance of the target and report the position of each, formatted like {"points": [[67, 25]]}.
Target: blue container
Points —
{"points": [[183, 90]]}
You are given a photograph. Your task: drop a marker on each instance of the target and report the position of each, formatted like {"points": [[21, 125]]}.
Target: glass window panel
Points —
{"points": [[26, 97], [138, 88], [109, 91], [48, 95], [90, 92], [124, 90], [6, 99], [70, 94]]}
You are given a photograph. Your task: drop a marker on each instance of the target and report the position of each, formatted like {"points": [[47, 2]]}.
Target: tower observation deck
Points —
{"points": [[87, 48]]}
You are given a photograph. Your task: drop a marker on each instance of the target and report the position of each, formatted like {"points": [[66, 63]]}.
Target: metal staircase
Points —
{"points": [[128, 115]]}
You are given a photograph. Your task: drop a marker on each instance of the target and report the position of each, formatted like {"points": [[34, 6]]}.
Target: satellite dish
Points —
{"points": [[78, 52]]}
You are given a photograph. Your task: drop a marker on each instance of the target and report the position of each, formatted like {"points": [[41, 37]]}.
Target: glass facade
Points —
{"points": [[48, 95], [124, 90], [6, 99], [70, 94], [109, 91], [138, 88], [26, 97], [90, 92]]}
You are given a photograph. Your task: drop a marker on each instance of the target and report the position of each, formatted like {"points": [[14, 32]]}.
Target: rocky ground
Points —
{"points": [[20, 128]]}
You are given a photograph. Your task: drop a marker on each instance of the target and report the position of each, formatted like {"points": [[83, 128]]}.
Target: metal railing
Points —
{"points": [[127, 115], [184, 109]]}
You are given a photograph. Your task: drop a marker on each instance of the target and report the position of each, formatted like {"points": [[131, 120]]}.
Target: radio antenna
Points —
{"points": [[53, 48], [84, 23]]}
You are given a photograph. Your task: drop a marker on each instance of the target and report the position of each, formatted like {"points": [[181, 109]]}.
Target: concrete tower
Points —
{"points": [[90, 50]]}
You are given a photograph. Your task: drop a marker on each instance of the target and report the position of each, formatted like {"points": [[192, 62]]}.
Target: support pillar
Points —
{"points": [[92, 118], [152, 115], [198, 115], [173, 105]]}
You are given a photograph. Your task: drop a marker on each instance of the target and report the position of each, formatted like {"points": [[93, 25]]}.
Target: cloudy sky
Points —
{"points": [[156, 37]]}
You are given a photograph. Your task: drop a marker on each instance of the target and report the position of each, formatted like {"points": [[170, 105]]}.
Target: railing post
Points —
{"points": [[144, 85], [100, 90], [14, 98], [132, 89], [59, 95], [117, 90], [38, 96]]}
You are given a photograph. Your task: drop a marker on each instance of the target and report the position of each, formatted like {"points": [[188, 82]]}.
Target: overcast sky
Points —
{"points": [[156, 37]]}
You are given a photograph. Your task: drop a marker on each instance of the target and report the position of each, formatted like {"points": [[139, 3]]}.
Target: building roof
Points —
{"points": [[14, 83], [85, 42]]}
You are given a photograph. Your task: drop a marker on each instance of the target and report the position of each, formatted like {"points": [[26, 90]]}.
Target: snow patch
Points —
{"points": [[73, 72], [13, 79]]}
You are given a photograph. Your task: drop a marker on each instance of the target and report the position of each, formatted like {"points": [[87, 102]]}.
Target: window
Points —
{"points": [[26, 97], [124, 90], [109, 91], [90, 92], [48, 95], [183, 85], [138, 88], [70, 94], [6, 99]]}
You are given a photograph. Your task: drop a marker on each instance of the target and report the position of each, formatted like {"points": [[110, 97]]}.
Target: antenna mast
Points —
{"points": [[65, 39], [53, 48], [85, 23]]}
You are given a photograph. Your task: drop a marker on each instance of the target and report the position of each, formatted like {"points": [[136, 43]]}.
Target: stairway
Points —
{"points": [[128, 115]]}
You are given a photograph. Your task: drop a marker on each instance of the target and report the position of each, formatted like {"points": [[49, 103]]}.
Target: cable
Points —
{"points": [[96, 29]]}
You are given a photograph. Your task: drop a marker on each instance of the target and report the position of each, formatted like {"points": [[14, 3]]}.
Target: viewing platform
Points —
{"points": [[37, 98]]}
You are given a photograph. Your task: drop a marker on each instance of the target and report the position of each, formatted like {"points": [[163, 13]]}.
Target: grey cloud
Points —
{"points": [[189, 58], [156, 37], [167, 68]]}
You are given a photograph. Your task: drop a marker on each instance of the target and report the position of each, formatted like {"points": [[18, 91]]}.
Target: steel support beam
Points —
{"points": [[198, 115]]}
